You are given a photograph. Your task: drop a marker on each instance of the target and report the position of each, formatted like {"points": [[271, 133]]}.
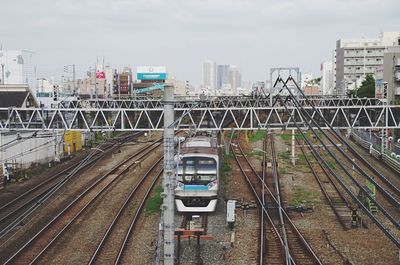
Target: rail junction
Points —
{"points": [[282, 110]]}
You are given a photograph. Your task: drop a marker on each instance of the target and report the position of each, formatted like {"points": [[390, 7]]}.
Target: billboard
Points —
{"points": [[151, 73], [100, 74]]}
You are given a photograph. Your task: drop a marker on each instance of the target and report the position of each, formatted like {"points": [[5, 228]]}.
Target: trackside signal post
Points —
{"points": [[168, 177]]}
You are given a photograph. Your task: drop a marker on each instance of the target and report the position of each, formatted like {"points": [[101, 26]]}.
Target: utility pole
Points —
{"points": [[73, 80], [168, 177], [2, 73]]}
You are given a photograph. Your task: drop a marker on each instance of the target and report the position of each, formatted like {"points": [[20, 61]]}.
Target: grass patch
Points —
{"points": [[154, 203], [258, 136], [287, 137], [301, 158], [284, 155], [225, 168], [331, 164], [257, 154], [303, 197]]}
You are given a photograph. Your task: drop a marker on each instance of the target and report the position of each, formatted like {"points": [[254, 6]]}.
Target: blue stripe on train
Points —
{"points": [[196, 187]]}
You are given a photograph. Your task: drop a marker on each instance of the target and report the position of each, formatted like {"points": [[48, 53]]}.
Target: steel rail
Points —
{"points": [[279, 199], [259, 200], [321, 185], [274, 199], [388, 196], [262, 236], [374, 170], [29, 191], [121, 210], [21, 250], [348, 190], [379, 187], [361, 187], [129, 232], [46, 194]]}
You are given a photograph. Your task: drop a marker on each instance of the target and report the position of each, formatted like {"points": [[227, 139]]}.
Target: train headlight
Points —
{"points": [[179, 186], [213, 185]]}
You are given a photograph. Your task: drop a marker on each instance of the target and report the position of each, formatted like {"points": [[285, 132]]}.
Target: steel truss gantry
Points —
{"points": [[361, 116], [212, 102]]}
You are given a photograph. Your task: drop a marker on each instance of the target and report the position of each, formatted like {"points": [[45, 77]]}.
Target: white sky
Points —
{"points": [[254, 34]]}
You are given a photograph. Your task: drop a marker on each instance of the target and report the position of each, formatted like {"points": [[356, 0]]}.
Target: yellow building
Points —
{"points": [[72, 141]]}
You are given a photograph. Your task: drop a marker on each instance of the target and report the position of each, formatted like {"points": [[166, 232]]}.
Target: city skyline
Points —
{"points": [[255, 35]]}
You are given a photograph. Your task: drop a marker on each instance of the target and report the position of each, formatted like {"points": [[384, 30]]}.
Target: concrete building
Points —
{"points": [[327, 78], [18, 67], [209, 74], [388, 76], [222, 75], [235, 78], [357, 57]]}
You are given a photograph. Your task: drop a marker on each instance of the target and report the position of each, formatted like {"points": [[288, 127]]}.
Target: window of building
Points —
{"points": [[358, 76], [378, 60], [369, 51], [358, 68]]}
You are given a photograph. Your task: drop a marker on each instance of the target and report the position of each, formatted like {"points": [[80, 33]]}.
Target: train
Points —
{"points": [[197, 176]]}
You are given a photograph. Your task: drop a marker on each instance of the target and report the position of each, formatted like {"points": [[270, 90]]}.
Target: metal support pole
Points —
{"points": [[169, 176], [386, 126], [2, 74], [293, 149], [73, 80], [271, 88]]}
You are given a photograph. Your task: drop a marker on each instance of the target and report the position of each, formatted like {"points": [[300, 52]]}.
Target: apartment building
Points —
{"points": [[354, 58]]}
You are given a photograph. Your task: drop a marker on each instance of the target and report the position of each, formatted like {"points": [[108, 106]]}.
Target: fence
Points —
{"points": [[365, 139]]}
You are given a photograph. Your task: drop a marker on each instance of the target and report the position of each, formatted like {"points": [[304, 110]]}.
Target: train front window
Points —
{"points": [[197, 170]]}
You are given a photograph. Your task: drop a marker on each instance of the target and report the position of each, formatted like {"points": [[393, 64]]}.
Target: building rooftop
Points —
{"points": [[19, 96]]}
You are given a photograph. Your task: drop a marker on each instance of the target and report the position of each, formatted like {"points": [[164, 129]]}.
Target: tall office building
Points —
{"points": [[354, 58], [222, 75], [235, 79], [18, 67], [327, 82], [209, 75]]}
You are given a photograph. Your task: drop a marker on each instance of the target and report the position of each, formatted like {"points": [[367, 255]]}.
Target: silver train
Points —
{"points": [[197, 175]]}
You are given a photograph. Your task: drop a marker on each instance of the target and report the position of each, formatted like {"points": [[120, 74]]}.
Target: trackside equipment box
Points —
{"points": [[230, 212]]}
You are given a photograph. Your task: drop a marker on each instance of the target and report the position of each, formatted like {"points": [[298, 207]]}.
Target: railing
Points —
{"points": [[366, 139]]}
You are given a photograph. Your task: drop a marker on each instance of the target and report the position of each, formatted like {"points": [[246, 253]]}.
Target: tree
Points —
{"points": [[367, 88]]}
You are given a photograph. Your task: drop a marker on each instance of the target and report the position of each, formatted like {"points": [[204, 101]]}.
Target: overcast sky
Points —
{"points": [[253, 34]]}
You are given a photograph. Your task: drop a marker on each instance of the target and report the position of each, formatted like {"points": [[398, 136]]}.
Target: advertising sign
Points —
{"points": [[151, 76], [100, 74], [151, 73]]}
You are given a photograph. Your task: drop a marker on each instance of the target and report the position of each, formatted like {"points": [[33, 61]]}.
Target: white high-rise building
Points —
{"points": [[209, 73], [18, 67], [234, 76], [327, 80]]}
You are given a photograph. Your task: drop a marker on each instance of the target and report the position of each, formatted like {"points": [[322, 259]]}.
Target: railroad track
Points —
{"points": [[113, 244], [390, 183], [16, 211], [285, 243], [40, 243], [388, 196], [340, 205], [382, 224]]}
